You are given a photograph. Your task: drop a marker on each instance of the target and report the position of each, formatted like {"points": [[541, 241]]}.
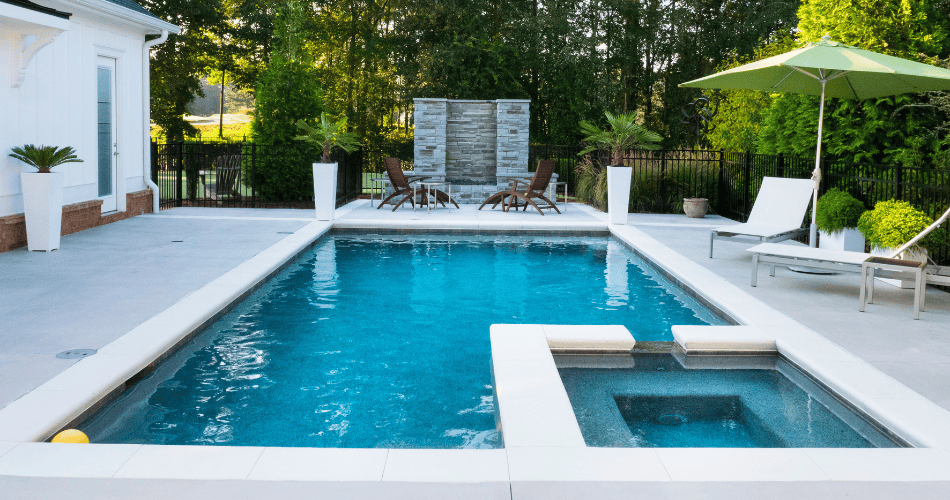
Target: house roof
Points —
{"points": [[27, 4], [133, 5]]}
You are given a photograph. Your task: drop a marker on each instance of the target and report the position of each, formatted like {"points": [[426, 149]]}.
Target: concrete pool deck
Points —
{"points": [[50, 306]]}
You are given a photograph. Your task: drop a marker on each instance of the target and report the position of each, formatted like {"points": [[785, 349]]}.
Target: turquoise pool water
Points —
{"points": [[734, 402], [383, 341]]}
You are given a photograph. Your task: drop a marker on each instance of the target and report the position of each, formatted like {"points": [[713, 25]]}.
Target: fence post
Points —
{"points": [[153, 155], [825, 173], [780, 170], [721, 195], [180, 165], [900, 181], [254, 175], [662, 186], [746, 183]]}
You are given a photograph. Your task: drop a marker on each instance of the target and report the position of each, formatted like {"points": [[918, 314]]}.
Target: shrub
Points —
{"points": [[288, 90], [591, 183], [838, 210], [893, 223]]}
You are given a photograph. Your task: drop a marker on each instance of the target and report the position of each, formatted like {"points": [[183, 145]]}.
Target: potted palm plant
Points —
{"points": [[623, 135], [43, 193], [837, 217], [327, 135]]}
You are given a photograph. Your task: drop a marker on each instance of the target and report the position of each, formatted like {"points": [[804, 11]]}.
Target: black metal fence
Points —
{"points": [[247, 175], [731, 182]]}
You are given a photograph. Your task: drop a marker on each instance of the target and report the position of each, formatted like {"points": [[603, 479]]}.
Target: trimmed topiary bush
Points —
{"points": [[893, 223], [838, 210]]}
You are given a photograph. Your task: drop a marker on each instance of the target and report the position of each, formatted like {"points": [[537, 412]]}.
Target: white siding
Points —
{"points": [[56, 105]]}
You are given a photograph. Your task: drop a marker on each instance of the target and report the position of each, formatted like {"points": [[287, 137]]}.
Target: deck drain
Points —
{"points": [[671, 419], [76, 353], [285, 232], [178, 241]]}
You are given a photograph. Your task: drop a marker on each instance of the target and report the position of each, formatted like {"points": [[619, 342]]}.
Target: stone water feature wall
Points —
{"points": [[473, 145]]}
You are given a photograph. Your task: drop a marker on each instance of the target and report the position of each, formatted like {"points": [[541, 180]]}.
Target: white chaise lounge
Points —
{"points": [[777, 214], [856, 262]]}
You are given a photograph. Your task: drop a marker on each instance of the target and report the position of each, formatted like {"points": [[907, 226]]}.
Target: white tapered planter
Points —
{"points": [[43, 209], [618, 193], [847, 240], [324, 190]]}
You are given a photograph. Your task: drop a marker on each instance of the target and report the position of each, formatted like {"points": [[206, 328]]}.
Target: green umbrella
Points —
{"points": [[829, 69]]}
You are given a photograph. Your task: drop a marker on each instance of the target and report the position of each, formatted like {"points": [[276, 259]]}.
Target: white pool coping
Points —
{"points": [[542, 440]]}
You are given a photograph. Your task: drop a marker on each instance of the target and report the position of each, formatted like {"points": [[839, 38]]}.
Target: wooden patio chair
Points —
{"points": [[535, 190], [402, 184], [227, 169]]}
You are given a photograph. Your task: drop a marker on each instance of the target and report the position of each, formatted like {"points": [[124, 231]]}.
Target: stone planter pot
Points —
{"points": [[847, 240], [695, 207], [618, 193], [913, 255], [43, 209], [324, 190]]}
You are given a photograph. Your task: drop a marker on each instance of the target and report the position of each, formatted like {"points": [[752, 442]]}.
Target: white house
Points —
{"points": [[75, 73]]}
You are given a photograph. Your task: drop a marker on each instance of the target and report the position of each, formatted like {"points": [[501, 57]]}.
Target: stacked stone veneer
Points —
{"points": [[473, 145]]}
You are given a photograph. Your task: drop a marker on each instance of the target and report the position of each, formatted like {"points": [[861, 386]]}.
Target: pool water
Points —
{"points": [[383, 341], [657, 402]]}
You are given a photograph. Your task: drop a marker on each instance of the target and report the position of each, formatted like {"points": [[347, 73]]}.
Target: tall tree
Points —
{"points": [[178, 64], [861, 130]]}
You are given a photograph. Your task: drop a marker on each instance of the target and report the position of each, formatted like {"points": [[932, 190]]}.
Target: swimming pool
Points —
{"points": [[382, 341], [738, 402]]}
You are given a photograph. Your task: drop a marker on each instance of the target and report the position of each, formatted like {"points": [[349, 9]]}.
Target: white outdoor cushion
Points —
{"points": [[723, 338], [753, 230], [808, 253], [779, 207], [589, 337]]}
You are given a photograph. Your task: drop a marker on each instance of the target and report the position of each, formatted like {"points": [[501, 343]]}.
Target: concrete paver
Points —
{"points": [[914, 352], [107, 280]]}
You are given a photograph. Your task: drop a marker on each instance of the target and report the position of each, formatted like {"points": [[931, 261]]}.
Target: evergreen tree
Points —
{"points": [[287, 91]]}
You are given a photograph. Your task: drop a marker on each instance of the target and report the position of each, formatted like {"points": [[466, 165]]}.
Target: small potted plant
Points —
{"points": [[43, 193], [327, 135], [624, 134], [893, 223], [837, 217]]}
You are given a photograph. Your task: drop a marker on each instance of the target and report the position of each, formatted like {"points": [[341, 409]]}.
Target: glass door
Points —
{"points": [[107, 149]]}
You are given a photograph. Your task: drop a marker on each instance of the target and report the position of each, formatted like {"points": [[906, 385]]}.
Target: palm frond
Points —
{"points": [[624, 134], [327, 135], [43, 158]]}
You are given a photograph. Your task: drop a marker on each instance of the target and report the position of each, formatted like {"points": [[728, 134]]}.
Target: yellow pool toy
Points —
{"points": [[71, 436]]}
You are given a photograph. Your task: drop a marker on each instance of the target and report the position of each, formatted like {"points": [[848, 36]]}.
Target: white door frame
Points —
{"points": [[107, 152]]}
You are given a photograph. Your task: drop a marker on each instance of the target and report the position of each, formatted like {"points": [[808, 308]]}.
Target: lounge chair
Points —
{"points": [[857, 262], [777, 214], [402, 184], [535, 190]]}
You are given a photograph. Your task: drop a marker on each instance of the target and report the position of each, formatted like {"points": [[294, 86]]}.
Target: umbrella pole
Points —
{"points": [[816, 174]]}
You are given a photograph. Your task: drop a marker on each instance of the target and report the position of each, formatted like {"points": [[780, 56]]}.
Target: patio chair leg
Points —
{"points": [[772, 270], [918, 293], [527, 201], [408, 197], [500, 196], [712, 237], [755, 269], [864, 285], [871, 286]]}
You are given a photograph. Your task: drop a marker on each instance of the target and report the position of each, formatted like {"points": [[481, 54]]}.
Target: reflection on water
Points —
{"points": [[372, 341]]}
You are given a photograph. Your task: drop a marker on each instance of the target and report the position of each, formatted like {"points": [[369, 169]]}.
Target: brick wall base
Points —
{"points": [[76, 217]]}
